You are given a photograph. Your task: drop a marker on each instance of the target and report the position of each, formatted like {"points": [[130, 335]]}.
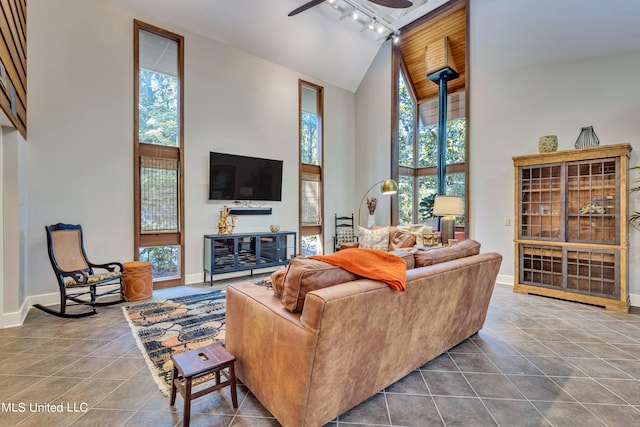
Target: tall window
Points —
{"points": [[414, 143], [418, 151], [311, 172], [158, 152], [407, 151]]}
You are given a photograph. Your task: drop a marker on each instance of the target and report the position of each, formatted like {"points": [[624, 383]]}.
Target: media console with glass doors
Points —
{"points": [[571, 234], [227, 253]]}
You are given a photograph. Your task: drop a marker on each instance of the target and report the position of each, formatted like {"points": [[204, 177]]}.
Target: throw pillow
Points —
{"points": [[344, 235], [407, 254], [277, 281], [463, 249], [374, 239], [417, 230], [306, 275], [401, 239]]}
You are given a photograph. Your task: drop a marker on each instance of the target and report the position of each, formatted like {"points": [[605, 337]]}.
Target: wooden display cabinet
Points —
{"points": [[571, 234]]}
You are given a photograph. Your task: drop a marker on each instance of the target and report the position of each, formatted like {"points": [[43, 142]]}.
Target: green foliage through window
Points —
{"points": [[417, 191], [165, 260], [309, 143], [158, 109], [455, 143], [406, 120]]}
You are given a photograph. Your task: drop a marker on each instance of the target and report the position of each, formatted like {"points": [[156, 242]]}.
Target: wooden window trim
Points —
{"points": [[310, 230], [150, 150]]}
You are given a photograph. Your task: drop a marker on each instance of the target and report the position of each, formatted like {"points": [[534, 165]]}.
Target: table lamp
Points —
{"points": [[447, 207]]}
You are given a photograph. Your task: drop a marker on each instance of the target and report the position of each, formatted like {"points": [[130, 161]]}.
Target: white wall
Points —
{"points": [[373, 135], [79, 149], [339, 158], [514, 101], [12, 225]]}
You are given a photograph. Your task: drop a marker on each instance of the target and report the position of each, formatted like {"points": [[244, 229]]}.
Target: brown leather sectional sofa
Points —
{"points": [[351, 340]]}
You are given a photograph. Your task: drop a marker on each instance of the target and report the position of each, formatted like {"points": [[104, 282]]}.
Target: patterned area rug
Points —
{"points": [[171, 326]]}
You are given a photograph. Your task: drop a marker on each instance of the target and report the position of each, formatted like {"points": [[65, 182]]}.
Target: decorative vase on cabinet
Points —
{"points": [[571, 234], [548, 144]]}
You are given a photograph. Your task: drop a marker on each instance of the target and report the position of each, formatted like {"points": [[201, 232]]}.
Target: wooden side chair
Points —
{"points": [[345, 236], [78, 279]]}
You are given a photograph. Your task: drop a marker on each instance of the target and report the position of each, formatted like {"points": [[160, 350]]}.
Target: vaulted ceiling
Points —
{"points": [[450, 24], [322, 44]]}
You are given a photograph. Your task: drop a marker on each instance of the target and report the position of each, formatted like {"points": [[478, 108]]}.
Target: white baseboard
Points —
{"points": [[503, 279], [9, 320], [16, 318], [191, 279]]}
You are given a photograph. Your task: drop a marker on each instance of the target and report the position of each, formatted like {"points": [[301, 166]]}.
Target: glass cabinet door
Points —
{"points": [[273, 248], [541, 202], [541, 266], [224, 254], [593, 272], [247, 251], [592, 201]]}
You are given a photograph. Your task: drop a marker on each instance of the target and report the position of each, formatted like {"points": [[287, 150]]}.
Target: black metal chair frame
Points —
{"points": [[343, 223], [85, 279]]}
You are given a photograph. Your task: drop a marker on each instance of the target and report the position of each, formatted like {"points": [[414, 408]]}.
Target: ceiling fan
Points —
{"points": [[396, 4]]}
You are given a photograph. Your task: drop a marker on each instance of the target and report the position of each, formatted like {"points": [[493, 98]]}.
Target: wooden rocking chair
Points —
{"points": [[76, 275]]}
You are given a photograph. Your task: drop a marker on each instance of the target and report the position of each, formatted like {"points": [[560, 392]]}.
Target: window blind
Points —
{"points": [[159, 195], [311, 213], [455, 109]]}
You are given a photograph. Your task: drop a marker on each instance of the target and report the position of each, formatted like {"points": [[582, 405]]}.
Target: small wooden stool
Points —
{"points": [[197, 363], [138, 280]]}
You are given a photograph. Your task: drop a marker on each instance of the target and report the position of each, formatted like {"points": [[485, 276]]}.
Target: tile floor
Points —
{"points": [[537, 362]]}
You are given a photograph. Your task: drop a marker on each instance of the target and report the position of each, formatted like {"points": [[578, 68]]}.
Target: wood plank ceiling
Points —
{"points": [[451, 23]]}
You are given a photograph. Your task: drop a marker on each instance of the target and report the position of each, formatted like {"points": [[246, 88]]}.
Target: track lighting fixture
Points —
{"points": [[368, 20]]}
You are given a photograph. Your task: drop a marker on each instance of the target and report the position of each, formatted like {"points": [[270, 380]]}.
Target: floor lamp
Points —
{"points": [[387, 187], [447, 207]]}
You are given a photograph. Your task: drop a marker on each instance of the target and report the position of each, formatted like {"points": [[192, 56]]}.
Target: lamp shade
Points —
{"points": [[389, 186], [448, 205]]}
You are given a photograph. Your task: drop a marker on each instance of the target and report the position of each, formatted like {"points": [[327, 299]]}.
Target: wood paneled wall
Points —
{"points": [[13, 54], [448, 21]]}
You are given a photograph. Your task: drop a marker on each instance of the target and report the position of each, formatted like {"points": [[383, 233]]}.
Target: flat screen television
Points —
{"points": [[234, 177]]}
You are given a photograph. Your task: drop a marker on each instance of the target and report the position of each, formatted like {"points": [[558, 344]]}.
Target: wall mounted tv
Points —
{"points": [[234, 177]]}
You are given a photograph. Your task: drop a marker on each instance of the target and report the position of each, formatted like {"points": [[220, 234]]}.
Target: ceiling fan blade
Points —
{"points": [[396, 4], [305, 6]]}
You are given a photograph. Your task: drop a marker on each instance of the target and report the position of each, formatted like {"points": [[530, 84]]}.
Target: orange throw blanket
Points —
{"points": [[372, 264]]}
